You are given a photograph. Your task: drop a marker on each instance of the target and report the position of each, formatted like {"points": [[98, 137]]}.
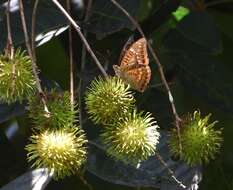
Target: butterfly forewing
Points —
{"points": [[134, 66], [136, 54]]}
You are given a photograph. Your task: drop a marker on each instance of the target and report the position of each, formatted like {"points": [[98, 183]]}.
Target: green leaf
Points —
{"points": [[49, 19], [180, 13], [205, 77], [199, 71], [200, 28], [9, 111], [106, 18], [53, 62], [33, 180], [175, 41], [223, 21]]}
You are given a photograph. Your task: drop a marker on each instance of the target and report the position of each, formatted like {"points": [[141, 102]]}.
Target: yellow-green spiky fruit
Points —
{"points": [[132, 139], [17, 82], [62, 151], [59, 106], [108, 100], [200, 141]]}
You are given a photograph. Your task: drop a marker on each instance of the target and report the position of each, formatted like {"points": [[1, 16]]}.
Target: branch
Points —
{"points": [[169, 170], [78, 29], [9, 46], [162, 76], [83, 61], [33, 29], [71, 59], [27, 42], [84, 181], [34, 66]]}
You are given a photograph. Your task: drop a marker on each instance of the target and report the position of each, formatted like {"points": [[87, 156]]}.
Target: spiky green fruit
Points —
{"points": [[108, 100], [16, 78], [62, 151], [200, 141], [59, 106], [132, 139]]}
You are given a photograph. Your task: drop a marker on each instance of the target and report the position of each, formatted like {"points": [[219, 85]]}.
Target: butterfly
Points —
{"points": [[134, 66]]}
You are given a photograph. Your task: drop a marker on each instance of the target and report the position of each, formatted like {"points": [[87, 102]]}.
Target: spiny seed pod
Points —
{"points": [[200, 141], [107, 100], [132, 139], [16, 78], [62, 151], [59, 106]]}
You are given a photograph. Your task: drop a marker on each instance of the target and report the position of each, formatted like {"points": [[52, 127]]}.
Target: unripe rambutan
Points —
{"points": [[132, 139], [108, 100], [59, 106], [200, 141], [16, 78], [62, 151]]}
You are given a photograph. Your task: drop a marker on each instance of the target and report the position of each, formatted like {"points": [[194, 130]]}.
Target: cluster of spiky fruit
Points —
{"points": [[132, 137], [129, 136], [57, 143], [17, 82], [200, 141]]}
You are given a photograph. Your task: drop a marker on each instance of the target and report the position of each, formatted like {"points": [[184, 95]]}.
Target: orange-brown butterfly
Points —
{"points": [[134, 66]]}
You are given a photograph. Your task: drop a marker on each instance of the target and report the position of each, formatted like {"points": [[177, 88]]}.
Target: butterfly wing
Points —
{"points": [[125, 48], [138, 77], [136, 54], [134, 68]]}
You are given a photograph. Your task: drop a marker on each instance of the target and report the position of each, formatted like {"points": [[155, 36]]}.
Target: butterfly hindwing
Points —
{"points": [[139, 77]]}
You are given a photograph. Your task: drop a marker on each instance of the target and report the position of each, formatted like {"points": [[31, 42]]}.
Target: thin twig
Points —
{"points": [[82, 37], [83, 61], [160, 85], [169, 170], [84, 181], [9, 48], [9, 36], [71, 59], [27, 42], [33, 30], [162, 76], [29, 49]]}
